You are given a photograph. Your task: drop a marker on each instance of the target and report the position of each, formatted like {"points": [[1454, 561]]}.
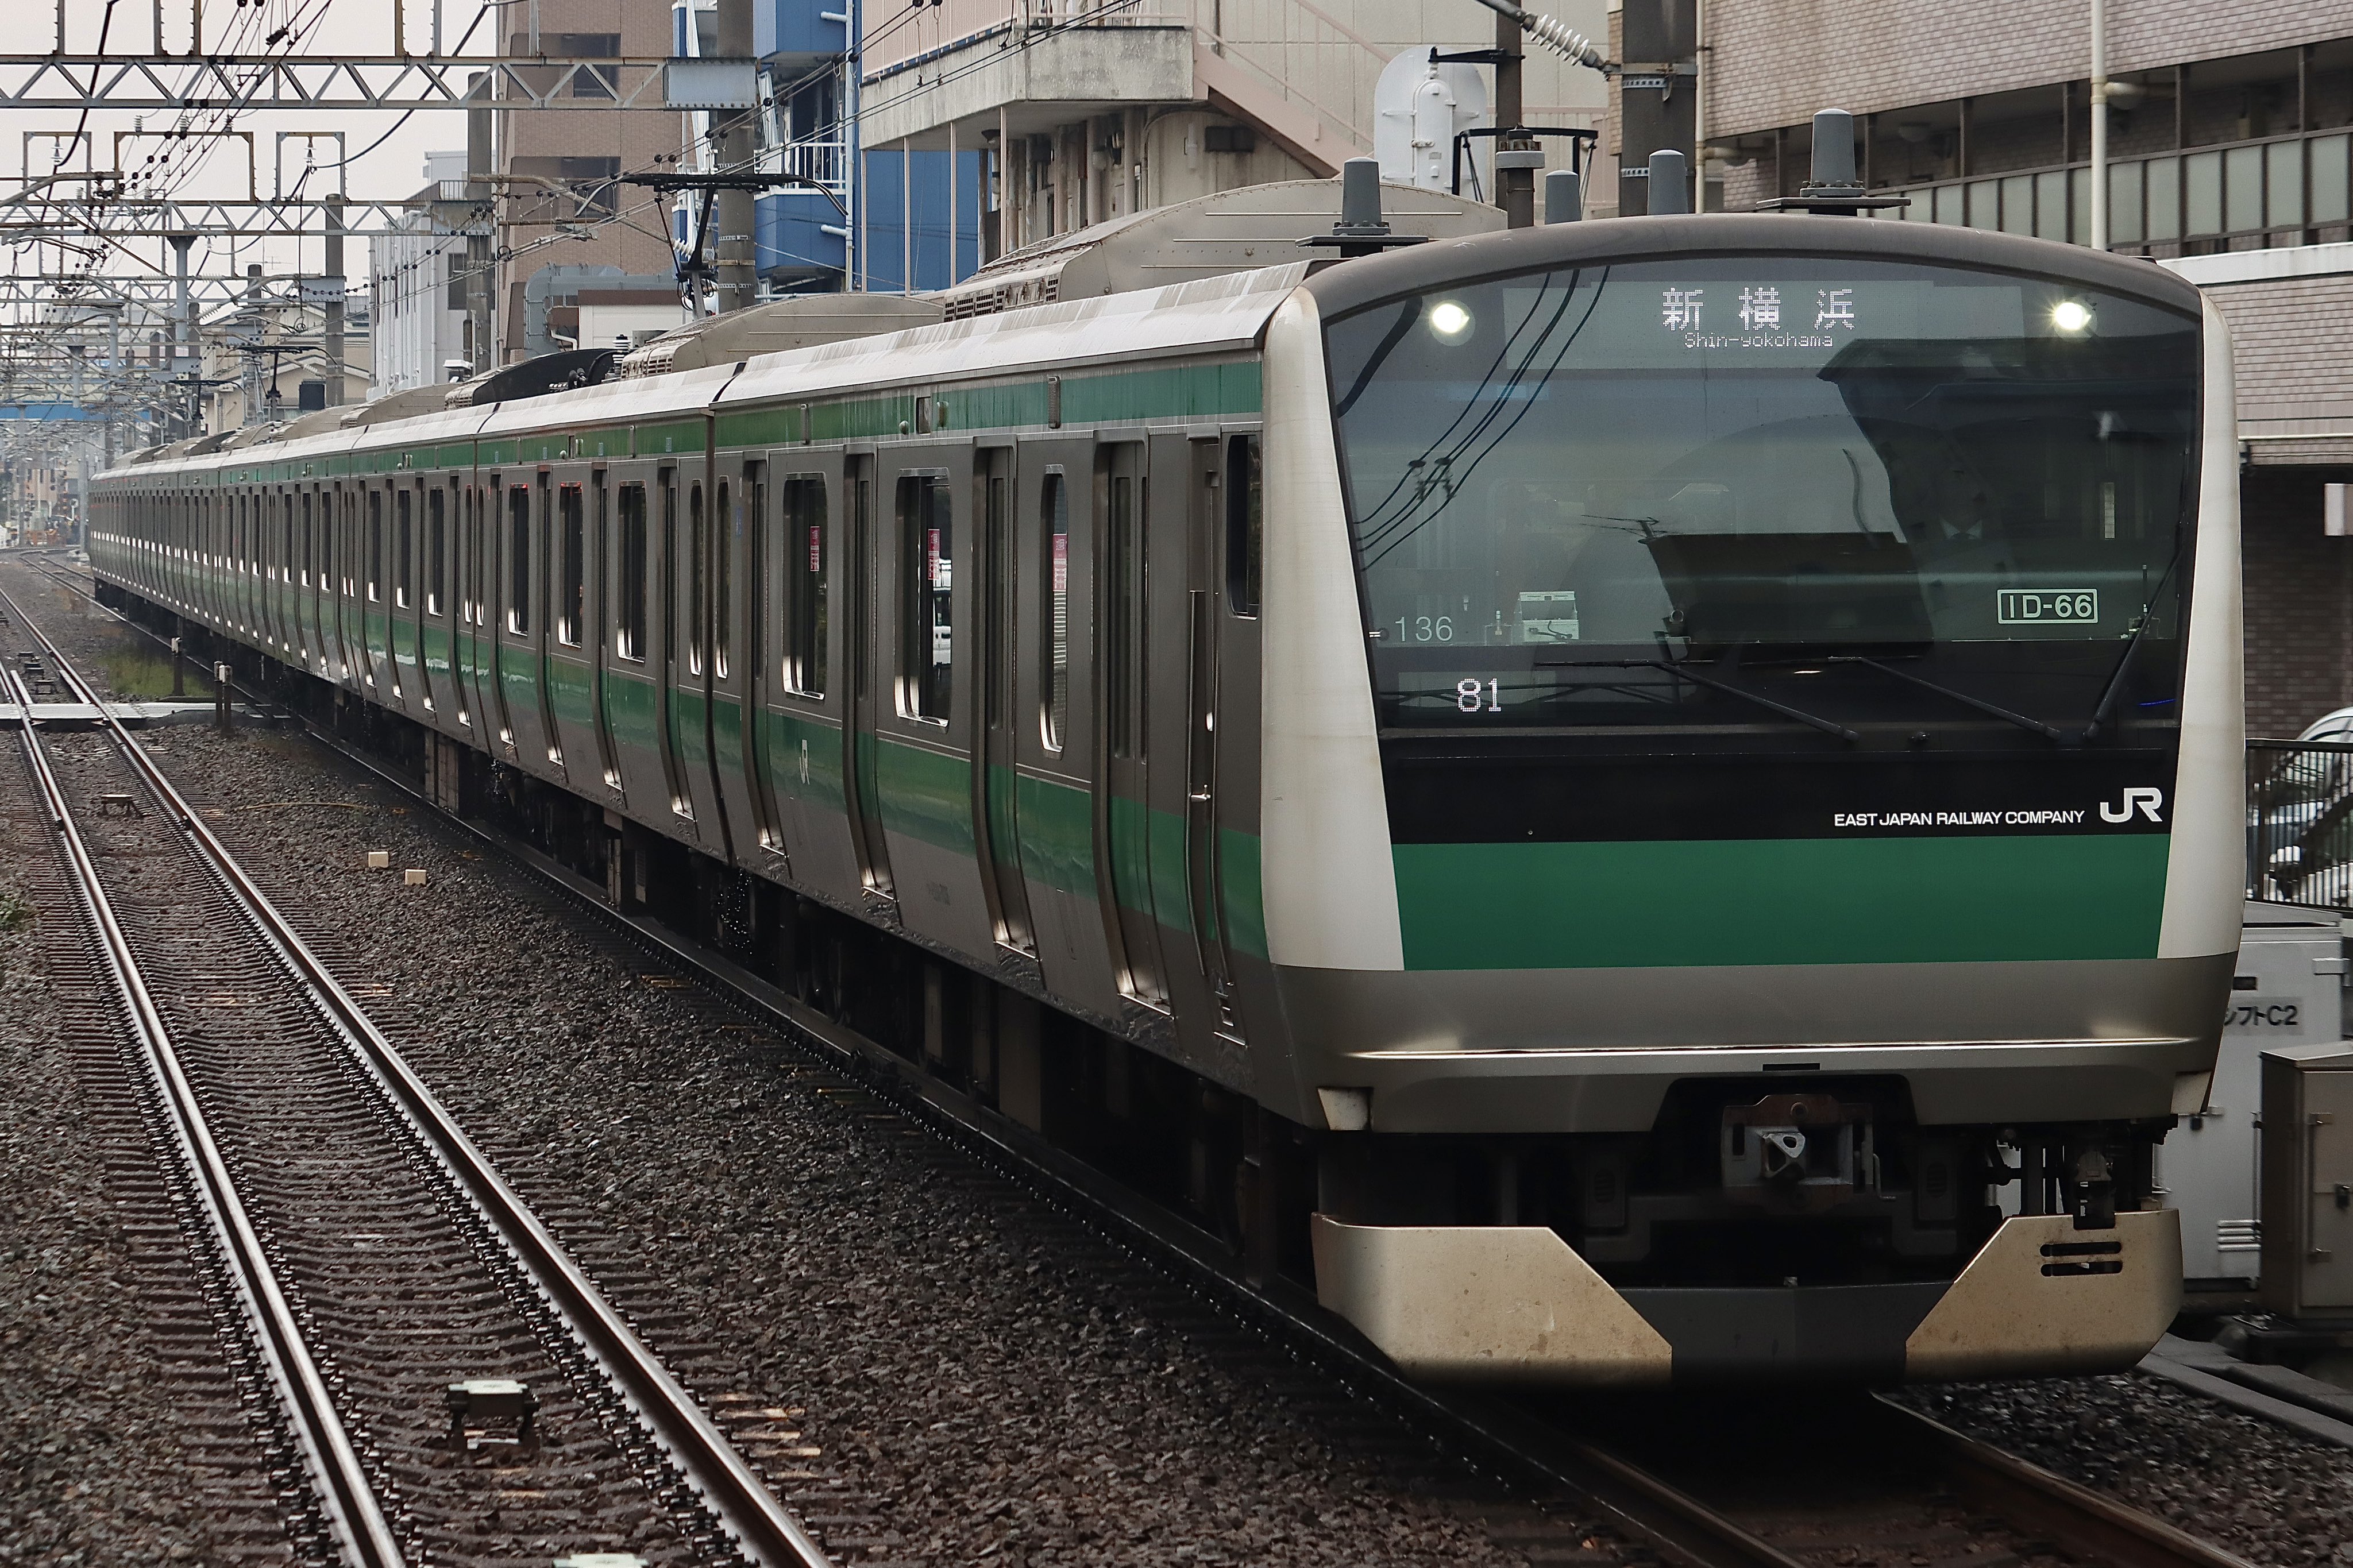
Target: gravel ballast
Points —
{"points": [[2249, 1486], [989, 1381], [94, 1464]]}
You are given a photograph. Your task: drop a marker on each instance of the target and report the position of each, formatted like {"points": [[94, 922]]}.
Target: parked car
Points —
{"points": [[2300, 816]]}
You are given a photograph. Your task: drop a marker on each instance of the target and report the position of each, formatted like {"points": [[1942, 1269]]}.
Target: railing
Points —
{"points": [[2300, 822], [825, 163], [2275, 190]]}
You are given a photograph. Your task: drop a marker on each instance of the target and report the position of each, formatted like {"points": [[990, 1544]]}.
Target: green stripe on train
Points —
{"points": [[1794, 901]]}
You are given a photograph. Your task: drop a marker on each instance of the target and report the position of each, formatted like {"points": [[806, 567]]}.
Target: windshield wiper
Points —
{"points": [[2132, 646], [2048, 731], [1813, 720]]}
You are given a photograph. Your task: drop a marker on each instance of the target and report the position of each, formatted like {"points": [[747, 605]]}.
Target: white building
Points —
{"points": [[417, 286]]}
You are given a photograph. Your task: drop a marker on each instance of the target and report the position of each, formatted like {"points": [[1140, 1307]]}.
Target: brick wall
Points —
{"points": [[2299, 604], [1775, 64], [2292, 339]]}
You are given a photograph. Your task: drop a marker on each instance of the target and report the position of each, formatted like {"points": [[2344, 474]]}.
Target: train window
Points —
{"points": [[633, 571], [374, 565], [926, 613], [1123, 644], [403, 543], [1245, 533], [805, 638], [470, 552], [698, 608], [518, 558], [436, 548], [722, 601], [572, 588], [1058, 601], [308, 535], [286, 555]]}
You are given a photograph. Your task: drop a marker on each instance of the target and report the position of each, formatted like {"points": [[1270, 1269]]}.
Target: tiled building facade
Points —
{"points": [[2230, 149]]}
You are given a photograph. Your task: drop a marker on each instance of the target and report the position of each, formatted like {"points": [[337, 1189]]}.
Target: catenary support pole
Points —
{"points": [[481, 285], [332, 333], [1516, 189], [738, 275]]}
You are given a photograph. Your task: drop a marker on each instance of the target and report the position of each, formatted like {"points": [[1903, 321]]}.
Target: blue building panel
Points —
{"points": [[800, 30], [802, 239], [906, 198]]}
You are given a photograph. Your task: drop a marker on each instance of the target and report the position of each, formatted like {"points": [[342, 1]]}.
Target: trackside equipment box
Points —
{"points": [[2287, 990], [2308, 1181]]}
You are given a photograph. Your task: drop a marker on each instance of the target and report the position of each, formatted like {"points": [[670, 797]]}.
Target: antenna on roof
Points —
{"points": [[1834, 190], [1362, 230]]}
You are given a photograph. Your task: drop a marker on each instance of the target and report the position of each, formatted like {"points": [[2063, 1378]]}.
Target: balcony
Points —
{"points": [[819, 163], [2248, 196]]}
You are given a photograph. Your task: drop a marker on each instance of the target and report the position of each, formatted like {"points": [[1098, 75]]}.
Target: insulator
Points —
{"points": [[1562, 38]]}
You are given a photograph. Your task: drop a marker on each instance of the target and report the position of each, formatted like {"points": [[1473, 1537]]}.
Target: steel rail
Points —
{"points": [[346, 1496], [2100, 1529], [744, 1508]]}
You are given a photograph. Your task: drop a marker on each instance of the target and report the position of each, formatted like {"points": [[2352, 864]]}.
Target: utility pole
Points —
{"points": [[1658, 96], [184, 321], [334, 331], [480, 283], [1515, 181], [738, 275]]}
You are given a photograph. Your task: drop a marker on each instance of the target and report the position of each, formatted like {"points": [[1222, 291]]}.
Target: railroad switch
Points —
{"points": [[484, 1401], [117, 805]]}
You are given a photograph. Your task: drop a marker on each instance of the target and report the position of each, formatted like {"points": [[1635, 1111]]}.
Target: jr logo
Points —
{"points": [[2140, 795]]}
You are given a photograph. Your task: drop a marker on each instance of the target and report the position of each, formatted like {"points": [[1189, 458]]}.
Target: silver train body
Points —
{"points": [[1647, 800]]}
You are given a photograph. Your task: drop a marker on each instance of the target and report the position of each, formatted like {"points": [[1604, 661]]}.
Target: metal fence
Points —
{"points": [[2300, 822]]}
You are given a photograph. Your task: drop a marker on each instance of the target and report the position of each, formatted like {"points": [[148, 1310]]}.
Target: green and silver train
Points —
{"points": [[1645, 800]]}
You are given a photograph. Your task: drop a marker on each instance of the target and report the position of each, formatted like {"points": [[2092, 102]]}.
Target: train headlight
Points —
{"points": [[2071, 316], [1450, 322]]}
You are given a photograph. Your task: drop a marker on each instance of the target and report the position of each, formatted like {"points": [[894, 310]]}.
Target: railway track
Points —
{"points": [[1764, 1481], [440, 1379]]}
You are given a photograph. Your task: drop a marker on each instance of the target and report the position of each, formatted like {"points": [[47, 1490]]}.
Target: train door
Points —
{"points": [[1123, 824], [506, 532], [668, 635], [860, 583], [995, 774], [400, 607], [569, 667], [541, 594], [272, 560], [465, 628], [1208, 531], [801, 672], [735, 725], [749, 610], [439, 610], [318, 592], [691, 728], [600, 622]]}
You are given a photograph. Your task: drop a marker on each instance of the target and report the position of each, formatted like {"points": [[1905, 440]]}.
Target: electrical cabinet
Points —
{"points": [[2307, 1192], [2288, 991]]}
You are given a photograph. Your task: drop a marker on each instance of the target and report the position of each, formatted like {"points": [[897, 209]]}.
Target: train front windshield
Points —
{"points": [[1641, 494]]}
